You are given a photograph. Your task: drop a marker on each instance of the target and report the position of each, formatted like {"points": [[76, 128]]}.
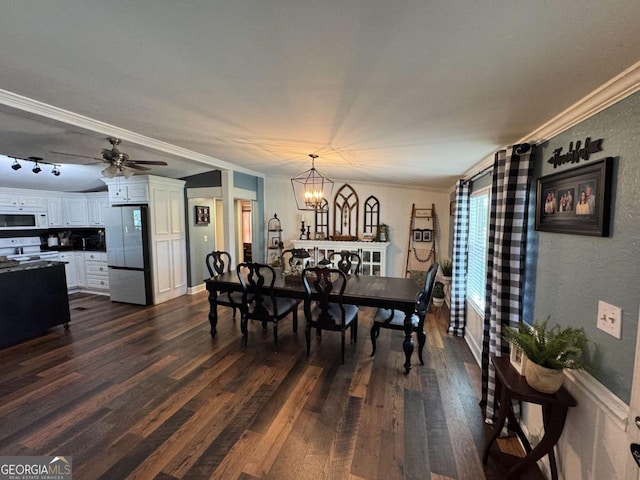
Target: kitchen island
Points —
{"points": [[33, 298]]}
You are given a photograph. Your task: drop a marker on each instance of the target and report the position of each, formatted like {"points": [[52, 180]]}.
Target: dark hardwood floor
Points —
{"points": [[144, 392]]}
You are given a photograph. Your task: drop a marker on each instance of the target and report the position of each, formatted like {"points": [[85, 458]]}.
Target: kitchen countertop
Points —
{"points": [[31, 266], [71, 248]]}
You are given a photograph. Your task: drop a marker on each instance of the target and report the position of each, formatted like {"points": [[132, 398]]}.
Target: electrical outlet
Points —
{"points": [[610, 319], [206, 238]]}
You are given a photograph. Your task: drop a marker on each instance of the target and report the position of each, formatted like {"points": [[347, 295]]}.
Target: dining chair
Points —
{"points": [[394, 319], [320, 311], [218, 262], [349, 262], [260, 303]]}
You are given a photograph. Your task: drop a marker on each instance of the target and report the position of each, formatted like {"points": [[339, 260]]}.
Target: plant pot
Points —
{"points": [[545, 380], [437, 302]]}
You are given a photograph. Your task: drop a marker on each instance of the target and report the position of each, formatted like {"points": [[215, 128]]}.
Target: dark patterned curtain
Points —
{"points": [[457, 318], [512, 172]]}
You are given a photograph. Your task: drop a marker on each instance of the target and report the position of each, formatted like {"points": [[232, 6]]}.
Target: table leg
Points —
{"points": [[505, 400], [213, 311], [407, 345]]}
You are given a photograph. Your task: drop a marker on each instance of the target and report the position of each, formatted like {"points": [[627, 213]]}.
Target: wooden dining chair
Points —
{"points": [[219, 262], [259, 302], [394, 319], [322, 313], [349, 262]]}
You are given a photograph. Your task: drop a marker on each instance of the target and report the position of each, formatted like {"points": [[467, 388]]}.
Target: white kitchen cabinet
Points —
{"points": [[69, 268], [21, 201], [96, 203], [80, 269], [128, 191], [97, 272], [372, 254], [55, 216], [74, 210]]}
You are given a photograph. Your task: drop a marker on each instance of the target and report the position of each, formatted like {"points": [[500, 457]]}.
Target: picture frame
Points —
{"points": [[202, 215], [417, 235], [576, 201], [427, 235], [517, 358]]}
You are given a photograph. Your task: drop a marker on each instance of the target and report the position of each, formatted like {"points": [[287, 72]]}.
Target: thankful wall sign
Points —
{"points": [[574, 155]]}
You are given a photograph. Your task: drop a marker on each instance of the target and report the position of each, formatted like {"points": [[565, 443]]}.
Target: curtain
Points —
{"points": [[457, 317], [512, 172]]}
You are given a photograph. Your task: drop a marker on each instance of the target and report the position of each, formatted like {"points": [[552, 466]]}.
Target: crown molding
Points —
{"points": [[40, 109], [616, 89]]}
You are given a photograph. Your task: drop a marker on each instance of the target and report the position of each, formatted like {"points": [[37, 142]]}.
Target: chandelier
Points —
{"points": [[310, 188]]}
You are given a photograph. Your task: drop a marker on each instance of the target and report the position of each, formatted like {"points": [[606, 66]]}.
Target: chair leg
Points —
{"points": [[275, 335], [354, 332], [244, 330], [234, 312], [342, 347], [264, 325], [295, 322], [307, 336], [375, 330], [422, 338]]}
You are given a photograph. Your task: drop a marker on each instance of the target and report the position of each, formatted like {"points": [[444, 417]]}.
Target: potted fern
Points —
{"points": [[446, 270], [549, 351], [438, 294]]}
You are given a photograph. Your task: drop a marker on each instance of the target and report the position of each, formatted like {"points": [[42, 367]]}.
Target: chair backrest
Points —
{"points": [[293, 258], [319, 284], [218, 262], [257, 280], [349, 262], [424, 297]]}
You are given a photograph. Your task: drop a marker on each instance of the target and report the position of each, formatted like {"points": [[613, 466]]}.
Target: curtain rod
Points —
{"points": [[478, 174]]}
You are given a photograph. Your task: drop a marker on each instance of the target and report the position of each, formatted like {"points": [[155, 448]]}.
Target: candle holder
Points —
{"points": [[303, 231], [308, 232]]}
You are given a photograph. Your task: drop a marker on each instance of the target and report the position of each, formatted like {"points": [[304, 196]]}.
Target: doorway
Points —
{"points": [[244, 217]]}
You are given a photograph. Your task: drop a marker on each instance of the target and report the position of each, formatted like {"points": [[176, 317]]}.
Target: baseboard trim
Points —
{"points": [[196, 289]]}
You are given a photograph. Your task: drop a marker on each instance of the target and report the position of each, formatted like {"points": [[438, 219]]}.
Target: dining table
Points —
{"points": [[362, 290]]}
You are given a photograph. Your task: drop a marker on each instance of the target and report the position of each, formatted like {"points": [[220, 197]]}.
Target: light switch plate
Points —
{"points": [[206, 238], [610, 319]]}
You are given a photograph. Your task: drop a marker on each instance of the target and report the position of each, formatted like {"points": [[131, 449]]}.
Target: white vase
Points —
{"points": [[545, 380]]}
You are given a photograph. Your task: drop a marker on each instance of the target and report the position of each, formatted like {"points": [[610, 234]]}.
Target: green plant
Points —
{"points": [[446, 267], [438, 290], [555, 348]]}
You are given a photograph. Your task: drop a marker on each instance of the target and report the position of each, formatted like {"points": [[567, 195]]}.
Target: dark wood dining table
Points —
{"points": [[361, 290]]}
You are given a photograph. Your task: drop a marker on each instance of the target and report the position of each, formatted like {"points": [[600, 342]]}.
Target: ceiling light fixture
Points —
{"points": [[110, 172], [16, 165], [311, 187], [36, 168], [55, 171]]}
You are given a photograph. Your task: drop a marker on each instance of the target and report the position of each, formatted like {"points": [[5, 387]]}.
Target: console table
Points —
{"points": [[372, 254], [510, 385]]}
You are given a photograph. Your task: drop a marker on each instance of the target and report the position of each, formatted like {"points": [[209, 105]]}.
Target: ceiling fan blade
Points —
{"points": [[74, 155], [149, 162], [135, 167]]}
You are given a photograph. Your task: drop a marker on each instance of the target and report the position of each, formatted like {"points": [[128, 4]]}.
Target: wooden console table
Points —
{"points": [[510, 385]]}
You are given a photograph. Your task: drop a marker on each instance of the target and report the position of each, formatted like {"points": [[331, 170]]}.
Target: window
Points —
{"points": [[477, 261]]}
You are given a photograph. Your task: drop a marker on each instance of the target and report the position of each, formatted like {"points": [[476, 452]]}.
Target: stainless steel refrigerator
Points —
{"points": [[128, 254]]}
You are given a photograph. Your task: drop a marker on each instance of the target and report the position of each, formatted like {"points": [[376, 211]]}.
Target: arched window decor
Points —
{"points": [[371, 214], [322, 220], [345, 216]]}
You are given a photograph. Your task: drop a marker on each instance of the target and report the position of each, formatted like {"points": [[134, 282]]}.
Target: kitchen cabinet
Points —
{"points": [[127, 191], [18, 201], [54, 212], [69, 268], [95, 209], [74, 210], [97, 272], [81, 276]]}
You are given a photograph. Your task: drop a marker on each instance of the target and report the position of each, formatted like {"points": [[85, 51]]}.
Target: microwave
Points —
{"points": [[23, 221]]}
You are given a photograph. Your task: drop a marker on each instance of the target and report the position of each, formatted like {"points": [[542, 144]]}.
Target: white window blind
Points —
{"points": [[477, 260]]}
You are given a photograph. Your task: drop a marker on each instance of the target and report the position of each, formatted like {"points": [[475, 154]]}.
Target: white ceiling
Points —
{"points": [[407, 92]]}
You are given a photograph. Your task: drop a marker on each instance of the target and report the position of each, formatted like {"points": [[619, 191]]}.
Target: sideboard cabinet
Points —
{"points": [[373, 254]]}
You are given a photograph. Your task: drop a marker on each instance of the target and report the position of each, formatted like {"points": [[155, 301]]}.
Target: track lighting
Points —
{"points": [[55, 171], [16, 165], [36, 168]]}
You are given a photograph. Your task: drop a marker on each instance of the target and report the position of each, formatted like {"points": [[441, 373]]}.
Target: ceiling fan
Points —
{"points": [[119, 162]]}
